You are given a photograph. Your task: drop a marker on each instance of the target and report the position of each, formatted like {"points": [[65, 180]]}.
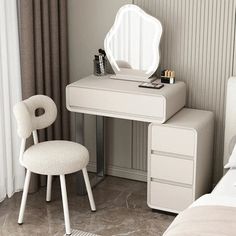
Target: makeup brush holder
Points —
{"points": [[99, 68]]}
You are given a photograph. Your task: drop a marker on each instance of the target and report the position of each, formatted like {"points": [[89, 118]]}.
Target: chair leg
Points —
{"points": [[49, 188], [89, 190], [24, 197], [65, 204]]}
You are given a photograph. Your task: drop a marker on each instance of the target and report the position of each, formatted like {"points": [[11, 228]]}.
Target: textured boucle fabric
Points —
{"points": [[55, 157], [26, 119], [23, 119]]}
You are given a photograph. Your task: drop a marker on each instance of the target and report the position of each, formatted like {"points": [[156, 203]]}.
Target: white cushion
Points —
{"points": [[232, 160], [55, 158]]}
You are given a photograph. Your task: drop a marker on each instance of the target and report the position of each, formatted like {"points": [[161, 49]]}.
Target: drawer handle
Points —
{"points": [[171, 183], [169, 154]]}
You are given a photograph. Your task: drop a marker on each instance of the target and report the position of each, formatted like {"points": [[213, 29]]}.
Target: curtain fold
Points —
{"points": [[44, 60], [11, 172]]}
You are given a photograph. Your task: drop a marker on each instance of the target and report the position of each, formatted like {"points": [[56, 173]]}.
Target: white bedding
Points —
{"points": [[224, 194], [226, 186], [215, 200]]}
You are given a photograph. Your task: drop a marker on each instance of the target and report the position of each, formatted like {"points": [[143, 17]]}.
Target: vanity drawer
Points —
{"points": [[173, 140], [171, 169], [169, 197], [117, 104]]}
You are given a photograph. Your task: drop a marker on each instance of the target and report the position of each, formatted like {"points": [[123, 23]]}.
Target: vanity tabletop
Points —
{"points": [[124, 86]]}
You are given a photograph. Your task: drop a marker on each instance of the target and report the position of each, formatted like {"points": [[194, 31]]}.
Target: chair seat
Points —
{"points": [[55, 158]]}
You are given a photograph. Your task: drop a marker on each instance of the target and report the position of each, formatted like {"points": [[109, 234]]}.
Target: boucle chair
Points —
{"points": [[51, 157]]}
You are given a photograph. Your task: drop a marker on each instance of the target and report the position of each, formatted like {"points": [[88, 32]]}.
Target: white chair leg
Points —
{"points": [[49, 188], [89, 190], [65, 204], [24, 197]]}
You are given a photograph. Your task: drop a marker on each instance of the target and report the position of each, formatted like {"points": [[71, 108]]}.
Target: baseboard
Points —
{"points": [[91, 166], [121, 172]]}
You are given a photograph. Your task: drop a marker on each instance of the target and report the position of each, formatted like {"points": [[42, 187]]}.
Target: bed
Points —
{"points": [[214, 214]]}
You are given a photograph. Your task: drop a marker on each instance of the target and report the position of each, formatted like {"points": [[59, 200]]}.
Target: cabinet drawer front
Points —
{"points": [[171, 197], [171, 169], [173, 140], [117, 102]]}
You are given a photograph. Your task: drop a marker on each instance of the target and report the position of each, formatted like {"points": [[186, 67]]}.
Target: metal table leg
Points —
{"points": [[100, 146], [100, 173]]}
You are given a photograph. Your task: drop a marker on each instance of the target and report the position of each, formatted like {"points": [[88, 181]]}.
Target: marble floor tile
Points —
{"points": [[121, 210]]}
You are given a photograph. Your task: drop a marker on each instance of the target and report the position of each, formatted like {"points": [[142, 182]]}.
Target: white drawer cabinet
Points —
{"points": [[180, 159]]}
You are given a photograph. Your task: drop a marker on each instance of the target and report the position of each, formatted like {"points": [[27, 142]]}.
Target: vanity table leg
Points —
{"points": [[100, 146], [100, 160], [79, 133], [100, 173]]}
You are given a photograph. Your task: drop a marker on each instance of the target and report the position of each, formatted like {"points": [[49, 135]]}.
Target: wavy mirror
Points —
{"points": [[132, 44]]}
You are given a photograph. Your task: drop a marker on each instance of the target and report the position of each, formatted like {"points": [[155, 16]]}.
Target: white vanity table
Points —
{"points": [[180, 140]]}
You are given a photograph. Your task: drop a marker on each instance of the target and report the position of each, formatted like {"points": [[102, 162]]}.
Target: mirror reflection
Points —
{"points": [[132, 43]]}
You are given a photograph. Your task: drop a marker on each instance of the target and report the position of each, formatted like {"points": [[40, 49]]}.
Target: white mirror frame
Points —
{"points": [[127, 74]]}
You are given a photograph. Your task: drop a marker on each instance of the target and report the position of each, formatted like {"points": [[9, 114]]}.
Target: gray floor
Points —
{"points": [[121, 210]]}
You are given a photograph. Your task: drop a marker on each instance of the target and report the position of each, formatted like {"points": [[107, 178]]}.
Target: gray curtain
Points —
{"points": [[44, 60]]}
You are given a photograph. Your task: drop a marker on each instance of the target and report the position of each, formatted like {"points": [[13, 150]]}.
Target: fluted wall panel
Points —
{"points": [[198, 43]]}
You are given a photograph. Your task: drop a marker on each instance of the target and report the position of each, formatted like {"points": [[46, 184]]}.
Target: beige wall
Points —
{"points": [[89, 21]]}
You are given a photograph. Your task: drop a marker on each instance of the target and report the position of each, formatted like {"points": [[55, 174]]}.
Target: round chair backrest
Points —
{"points": [[26, 117]]}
